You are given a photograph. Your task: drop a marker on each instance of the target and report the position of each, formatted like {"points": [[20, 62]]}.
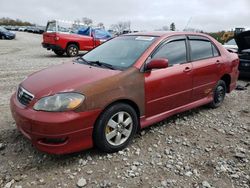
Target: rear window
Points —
{"points": [[200, 49]]}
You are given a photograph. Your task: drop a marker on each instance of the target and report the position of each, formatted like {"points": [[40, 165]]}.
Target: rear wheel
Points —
{"points": [[72, 50], [218, 94], [59, 52], [115, 128]]}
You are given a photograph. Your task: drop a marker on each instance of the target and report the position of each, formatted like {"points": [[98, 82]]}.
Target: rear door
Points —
{"points": [[169, 88], [206, 62]]}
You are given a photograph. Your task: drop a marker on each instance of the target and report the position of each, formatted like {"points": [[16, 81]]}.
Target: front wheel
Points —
{"points": [[218, 94], [72, 50], [115, 128]]}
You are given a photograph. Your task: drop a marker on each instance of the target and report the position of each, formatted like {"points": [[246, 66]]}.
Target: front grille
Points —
{"points": [[23, 96]]}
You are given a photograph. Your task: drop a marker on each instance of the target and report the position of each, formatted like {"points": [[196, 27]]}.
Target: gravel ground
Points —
{"points": [[200, 148]]}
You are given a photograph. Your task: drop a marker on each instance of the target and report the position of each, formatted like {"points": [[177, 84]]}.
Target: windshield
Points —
{"points": [[3, 29], [231, 42], [120, 52]]}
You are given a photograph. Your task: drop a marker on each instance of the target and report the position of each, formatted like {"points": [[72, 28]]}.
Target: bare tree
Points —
{"points": [[120, 27], [101, 25], [87, 21]]}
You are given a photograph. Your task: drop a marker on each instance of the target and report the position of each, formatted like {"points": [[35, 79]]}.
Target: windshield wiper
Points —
{"points": [[98, 63], [84, 60], [102, 64]]}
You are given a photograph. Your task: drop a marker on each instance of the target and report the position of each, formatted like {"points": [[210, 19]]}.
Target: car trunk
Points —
{"points": [[243, 41], [49, 38]]}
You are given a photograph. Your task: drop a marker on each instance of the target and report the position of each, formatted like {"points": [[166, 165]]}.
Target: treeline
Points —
{"points": [[16, 22]]}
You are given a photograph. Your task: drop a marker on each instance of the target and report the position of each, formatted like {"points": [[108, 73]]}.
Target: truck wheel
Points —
{"points": [[115, 128], [59, 52], [72, 50], [218, 94]]}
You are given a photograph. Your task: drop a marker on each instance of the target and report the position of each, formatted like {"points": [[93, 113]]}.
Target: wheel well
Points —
{"points": [[132, 104], [76, 43], [129, 102], [227, 79]]}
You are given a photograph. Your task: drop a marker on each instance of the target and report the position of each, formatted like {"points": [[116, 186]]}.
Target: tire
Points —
{"points": [[3, 37], [115, 128], [219, 94], [59, 52], [72, 50]]}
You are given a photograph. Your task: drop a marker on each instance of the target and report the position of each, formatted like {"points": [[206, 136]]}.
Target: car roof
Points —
{"points": [[164, 33]]}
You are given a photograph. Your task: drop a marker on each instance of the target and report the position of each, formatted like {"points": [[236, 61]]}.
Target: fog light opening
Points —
{"points": [[54, 140]]}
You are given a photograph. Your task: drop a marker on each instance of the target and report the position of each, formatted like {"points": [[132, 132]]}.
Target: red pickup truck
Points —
{"points": [[61, 37]]}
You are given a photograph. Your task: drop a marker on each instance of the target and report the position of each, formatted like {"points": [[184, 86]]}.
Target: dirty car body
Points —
{"points": [[125, 84]]}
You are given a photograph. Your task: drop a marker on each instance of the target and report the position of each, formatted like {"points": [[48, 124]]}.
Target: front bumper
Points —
{"points": [[55, 132], [53, 47], [10, 36]]}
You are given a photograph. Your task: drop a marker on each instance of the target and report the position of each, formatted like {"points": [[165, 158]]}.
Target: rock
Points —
{"points": [[105, 184], [164, 183], [82, 162], [150, 149], [133, 168], [18, 186], [89, 158], [236, 176], [205, 184], [240, 155], [2, 146], [142, 133], [81, 182], [167, 151], [189, 173], [89, 172], [9, 184], [41, 181]]}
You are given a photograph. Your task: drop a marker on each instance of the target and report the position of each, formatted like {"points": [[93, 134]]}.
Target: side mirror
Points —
{"points": [[159, 63]]}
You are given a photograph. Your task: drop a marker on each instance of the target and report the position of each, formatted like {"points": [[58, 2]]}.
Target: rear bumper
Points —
{"points": [[55, 133], [244, 67], [52, 47]]}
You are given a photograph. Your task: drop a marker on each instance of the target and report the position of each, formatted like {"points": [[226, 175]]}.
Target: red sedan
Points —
{"points": [[130, 82]]}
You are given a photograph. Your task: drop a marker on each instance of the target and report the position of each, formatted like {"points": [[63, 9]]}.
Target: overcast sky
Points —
{"points": [[206, 15]]}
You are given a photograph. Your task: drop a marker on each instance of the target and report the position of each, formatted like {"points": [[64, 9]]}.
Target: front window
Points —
{"points": [[174, 51], [121, 52]]}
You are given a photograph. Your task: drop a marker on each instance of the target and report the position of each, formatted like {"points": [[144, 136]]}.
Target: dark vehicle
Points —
{"points": [[5, 34], [243, 41], [128, 83]]}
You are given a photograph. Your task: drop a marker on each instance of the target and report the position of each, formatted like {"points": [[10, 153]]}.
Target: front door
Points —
{"points": [[169, 88]]}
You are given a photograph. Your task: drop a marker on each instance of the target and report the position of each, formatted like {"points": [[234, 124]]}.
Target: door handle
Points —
{"points": [[187, 69]]}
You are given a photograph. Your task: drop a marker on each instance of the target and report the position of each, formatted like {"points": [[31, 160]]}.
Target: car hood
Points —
{"points": [[64, 78], [243, 40]]}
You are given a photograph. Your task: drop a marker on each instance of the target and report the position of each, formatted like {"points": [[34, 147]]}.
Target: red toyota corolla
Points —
{"points": [[102, 98]]}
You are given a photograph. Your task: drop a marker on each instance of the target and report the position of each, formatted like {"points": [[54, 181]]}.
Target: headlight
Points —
{"points": [[59, 102]]}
